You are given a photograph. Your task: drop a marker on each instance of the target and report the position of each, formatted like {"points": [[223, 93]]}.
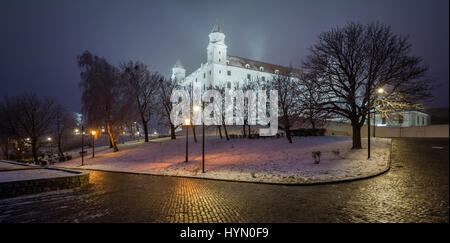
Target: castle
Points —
{"points": [[223, 70]]}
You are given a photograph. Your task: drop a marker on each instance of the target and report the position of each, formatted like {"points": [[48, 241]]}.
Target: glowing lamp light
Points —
{"points": [[49, 139], [380, 90], [196, 108], [187, 122], [93, 133]]}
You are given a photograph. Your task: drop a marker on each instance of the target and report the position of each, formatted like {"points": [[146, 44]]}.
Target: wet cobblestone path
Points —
{"points": [[414, 190]]}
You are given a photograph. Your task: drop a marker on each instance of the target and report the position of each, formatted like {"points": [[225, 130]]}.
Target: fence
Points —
{"points": [[432, 131]]}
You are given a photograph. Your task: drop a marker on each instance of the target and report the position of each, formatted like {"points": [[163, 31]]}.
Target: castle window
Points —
{"points": [[400, 118], [228, 62], [418, 121], [229, 73], [210, 72], [263, 78], [383, 120], [219, 52], [247, 65], [261, 69], [423, 120], [219, 59], [277, 71], [229, 85], [204, 75], [249, 76], [196, 80], [219, 70]]}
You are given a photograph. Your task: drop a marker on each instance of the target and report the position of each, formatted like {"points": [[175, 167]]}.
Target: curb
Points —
{"points": [[385, 170]]}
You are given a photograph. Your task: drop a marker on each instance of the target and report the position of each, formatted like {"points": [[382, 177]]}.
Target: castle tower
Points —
{"points": [[217, 50], [178, 72]]}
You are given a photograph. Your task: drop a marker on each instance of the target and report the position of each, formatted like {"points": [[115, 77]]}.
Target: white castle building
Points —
{"points": [[228, 71], [222, 69]]}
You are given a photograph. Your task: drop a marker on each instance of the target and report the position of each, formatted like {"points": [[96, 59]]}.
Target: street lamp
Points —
{"points": [[49, 139], [202, 108], [82, 144], [187, 122], [93, 143], [379, 91]]}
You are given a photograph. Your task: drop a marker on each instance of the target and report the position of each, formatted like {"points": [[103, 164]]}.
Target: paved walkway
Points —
{"points": [[416, 189]]}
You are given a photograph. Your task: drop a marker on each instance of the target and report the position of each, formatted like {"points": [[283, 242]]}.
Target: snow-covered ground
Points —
{"points": [[257, 160]]}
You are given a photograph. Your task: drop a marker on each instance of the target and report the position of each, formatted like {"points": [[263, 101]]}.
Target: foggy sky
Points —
{"points": [[40, 40]]}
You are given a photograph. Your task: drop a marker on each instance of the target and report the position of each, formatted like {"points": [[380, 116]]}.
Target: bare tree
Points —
{"points": [[65, 122], [309, 107], [352, 61], [106, 102], [166, 86], [286, 83], [29, 118], [142, 85], [223, 108]]}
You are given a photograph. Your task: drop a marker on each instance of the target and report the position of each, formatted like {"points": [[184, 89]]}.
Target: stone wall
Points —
{"points": [[16, 188]]}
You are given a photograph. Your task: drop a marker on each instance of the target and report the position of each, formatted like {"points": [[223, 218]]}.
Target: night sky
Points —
{"points": [[40, 40]]}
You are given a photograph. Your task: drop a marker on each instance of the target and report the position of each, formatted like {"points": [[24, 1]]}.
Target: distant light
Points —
{"points": [[187, 122], [380, 91], [196, 108], [76, 130], [93, 132], [28, 139], [49, 139]]}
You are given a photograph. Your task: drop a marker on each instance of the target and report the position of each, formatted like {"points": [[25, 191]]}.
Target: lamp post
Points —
{"points": [[379, 91], [7, 148], [187, 122], [197, 108], [203, 137], [49, 139], [93, 142], [82, 144]]}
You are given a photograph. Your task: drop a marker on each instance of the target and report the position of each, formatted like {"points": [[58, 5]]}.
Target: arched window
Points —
{"points": [[277, 71], [247, 65], [261, 69]]}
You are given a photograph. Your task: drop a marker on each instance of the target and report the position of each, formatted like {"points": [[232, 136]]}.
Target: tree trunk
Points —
{"points": [[172, 131], [34, 151], [226, 132], [356, 137], [195, 134], [144, 125], [220, 132], [111, 139], [60, 151], [287, 129]]}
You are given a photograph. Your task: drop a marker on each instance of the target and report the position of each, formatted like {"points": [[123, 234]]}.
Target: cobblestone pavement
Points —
{"points": [[414, 190]]}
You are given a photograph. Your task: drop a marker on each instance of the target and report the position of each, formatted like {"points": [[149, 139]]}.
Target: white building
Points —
{"points": [[222, 69], [229, 71], [403, 119]]}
